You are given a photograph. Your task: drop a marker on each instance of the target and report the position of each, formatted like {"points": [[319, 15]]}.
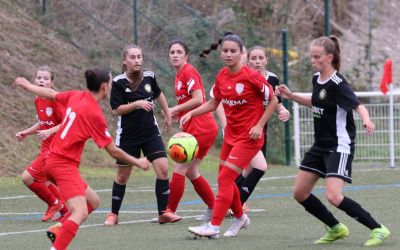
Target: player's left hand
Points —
{"points": [[44, 134], [370, 127], [20, 81]]}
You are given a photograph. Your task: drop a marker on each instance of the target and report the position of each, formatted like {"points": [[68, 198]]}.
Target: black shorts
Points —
{"points": [[328, 164], [152, 149]]}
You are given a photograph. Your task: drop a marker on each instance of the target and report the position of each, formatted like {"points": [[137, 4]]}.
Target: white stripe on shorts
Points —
{"points": [[342, 164]]}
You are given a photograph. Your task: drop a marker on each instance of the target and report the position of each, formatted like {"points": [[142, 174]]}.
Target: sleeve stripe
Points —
{"points": [[190, 84], [212, 92], [266, 93]]}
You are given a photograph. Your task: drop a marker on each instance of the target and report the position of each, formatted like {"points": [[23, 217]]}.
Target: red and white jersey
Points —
{"points": [[186, 81], [83, 120], [49, 115], [242, 95]]}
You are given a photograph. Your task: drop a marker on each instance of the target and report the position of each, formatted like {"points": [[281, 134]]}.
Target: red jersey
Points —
{"points": [[49, 115], [83, 120], [186, 81], [242, 94]]}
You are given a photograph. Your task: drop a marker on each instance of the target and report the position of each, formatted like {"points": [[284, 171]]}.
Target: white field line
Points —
{"points": [[127, 212], [148, 189], [120, 223]]}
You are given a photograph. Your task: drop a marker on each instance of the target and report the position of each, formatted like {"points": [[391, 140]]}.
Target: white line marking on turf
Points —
{"points": [[126, 212], [102, 225], [148, 189]]}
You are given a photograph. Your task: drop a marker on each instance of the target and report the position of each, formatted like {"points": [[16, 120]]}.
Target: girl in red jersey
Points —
{"points": [[332, 103], [189, 92], [242, 92], [83, 120], [49, 117], [258, 60]]}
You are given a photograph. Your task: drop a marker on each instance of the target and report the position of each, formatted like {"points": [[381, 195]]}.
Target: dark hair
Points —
{"points": [[95, 77], [214, 46], [125, 53], [180, 42], [331, 46], [48, 69]]}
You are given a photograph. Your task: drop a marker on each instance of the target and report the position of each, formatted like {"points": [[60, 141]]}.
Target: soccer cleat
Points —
{"points": [[51, 211], [337, 232], [64, 213], [111, 219], [205, 230], [53, 231], [206, 217], [237, 224], [378, 235], [168, 217]]}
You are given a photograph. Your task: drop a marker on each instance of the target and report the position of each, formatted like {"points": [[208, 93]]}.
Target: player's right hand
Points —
{"points": [[20, 136], [283, 91]]}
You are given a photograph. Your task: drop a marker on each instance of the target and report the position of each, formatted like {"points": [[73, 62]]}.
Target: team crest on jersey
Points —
{"points": [[322, 94], [239, 88], [179, 85], [49, 111], [147, 87]]}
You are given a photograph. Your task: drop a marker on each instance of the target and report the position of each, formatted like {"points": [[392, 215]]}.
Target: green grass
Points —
{"points": [[282, 223]]}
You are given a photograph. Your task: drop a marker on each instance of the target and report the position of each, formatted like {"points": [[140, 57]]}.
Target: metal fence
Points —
{"points": [[382, 147]]}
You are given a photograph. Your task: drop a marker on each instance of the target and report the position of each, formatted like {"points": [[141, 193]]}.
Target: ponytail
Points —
{"points": [[214, 46]]}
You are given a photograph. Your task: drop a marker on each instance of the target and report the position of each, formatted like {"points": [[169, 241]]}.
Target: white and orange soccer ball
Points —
{"points": [[183, 147]]}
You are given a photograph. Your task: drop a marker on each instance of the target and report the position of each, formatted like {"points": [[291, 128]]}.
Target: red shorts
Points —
{"points": [[205, 142], [35, 169], [237, 155], [66, 176]]}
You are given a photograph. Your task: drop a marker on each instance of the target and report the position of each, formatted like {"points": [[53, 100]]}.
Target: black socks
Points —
{"points": [[315, 207], [162, 194], [118, 193]]}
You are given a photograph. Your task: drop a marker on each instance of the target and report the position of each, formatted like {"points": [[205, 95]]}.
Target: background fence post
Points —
{"points": [[285, 62]]}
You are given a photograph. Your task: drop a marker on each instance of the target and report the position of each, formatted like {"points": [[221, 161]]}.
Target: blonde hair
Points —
{"points": [[47, 69]]}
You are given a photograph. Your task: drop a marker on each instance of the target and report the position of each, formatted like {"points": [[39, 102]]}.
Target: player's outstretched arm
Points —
{"points": [[21, 135], [284, 92], [121, 155], [44, 92], [206, 107]]}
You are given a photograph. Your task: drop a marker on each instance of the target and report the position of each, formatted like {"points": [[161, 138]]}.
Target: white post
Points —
{"points": [[391, 126], [296, 136]]}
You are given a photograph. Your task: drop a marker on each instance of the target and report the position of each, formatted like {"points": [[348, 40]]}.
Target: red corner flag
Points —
{"points": [[387, 76]]}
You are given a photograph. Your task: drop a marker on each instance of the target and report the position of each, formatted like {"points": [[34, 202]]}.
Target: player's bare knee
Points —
{"points": [[299, 195], [26, 178], [122, 179], [335, 198]]}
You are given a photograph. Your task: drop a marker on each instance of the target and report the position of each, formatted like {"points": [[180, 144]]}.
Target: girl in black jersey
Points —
{"points": [[331, 155], [132, 96]]}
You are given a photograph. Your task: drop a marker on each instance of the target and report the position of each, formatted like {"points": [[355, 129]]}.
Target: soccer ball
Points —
{"points": [[182, 147]]}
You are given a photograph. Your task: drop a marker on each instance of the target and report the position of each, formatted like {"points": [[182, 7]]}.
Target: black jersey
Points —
{"points": [[139, 125], [274, 81], [333, 102]]}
